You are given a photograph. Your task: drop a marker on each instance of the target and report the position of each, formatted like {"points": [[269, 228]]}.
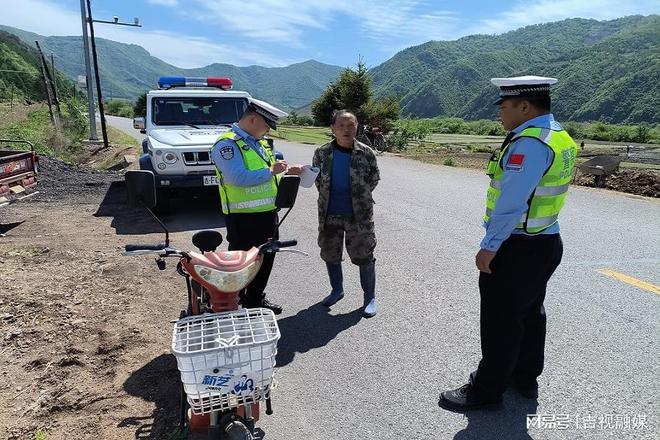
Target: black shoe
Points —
{"points": [[464, 399], [276, 308]]}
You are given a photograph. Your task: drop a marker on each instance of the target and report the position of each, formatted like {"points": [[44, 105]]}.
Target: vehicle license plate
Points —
{"points": [[211, 181]]}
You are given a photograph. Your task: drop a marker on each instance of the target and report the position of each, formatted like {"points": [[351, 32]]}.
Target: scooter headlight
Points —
{"points": [[228, 281]]}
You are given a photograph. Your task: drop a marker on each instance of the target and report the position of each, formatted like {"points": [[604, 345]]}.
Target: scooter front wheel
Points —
{"points": [[236, 430]]}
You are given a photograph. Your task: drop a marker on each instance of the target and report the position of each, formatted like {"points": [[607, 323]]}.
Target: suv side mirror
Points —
{"points": [[287, 191], [139, 123], [141, 188]]}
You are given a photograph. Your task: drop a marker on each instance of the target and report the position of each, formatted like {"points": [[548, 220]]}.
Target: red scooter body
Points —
{"points": [[222, 298]]}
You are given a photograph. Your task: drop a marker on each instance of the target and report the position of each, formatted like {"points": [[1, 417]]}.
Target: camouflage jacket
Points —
{"points": [[364, 177]]}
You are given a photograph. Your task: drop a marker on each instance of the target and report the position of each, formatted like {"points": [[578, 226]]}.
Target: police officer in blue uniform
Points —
{"points": [[522, 248], [248, 174]]}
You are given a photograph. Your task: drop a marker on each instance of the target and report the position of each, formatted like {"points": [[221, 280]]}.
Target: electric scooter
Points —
{"points": [[225, 354]]}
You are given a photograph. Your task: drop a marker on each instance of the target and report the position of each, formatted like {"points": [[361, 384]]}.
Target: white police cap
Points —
{"points": [[520, 86], [269, 112]]}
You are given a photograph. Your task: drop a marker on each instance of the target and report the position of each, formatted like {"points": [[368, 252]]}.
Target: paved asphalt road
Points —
{"points": [[126, 125], [344, 377]]}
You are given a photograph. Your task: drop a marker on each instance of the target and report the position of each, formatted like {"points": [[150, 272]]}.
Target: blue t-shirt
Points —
{"points": [[341, 202]]}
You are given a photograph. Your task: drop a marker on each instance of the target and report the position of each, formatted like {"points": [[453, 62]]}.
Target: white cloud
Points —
{"points": [[526, 13], [288, 21], [172, 48]]}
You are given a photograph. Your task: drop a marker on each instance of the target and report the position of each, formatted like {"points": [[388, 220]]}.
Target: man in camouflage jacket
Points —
{"points": [[348, 175]]}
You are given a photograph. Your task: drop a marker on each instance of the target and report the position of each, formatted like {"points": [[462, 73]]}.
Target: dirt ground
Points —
{"points": [[632, 181], [643, 183], [84, 331]]}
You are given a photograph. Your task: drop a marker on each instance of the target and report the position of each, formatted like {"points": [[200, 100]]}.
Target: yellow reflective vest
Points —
{"points": [[547, 199], [246, 199]]}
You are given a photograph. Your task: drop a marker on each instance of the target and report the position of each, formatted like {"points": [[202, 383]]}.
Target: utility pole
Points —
{"points": [[52, 62], [90, 20], [51, 78], [98, 74], [93, 136], [54, 116]]}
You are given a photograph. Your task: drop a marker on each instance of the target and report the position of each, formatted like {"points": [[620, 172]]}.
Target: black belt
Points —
{"points": [[523, 237]]}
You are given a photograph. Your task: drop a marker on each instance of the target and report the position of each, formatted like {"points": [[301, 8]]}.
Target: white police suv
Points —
{"points": [[184, 118]]}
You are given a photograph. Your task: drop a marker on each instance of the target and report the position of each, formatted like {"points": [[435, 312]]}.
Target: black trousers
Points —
{"points": [[245, 231], [513, 321]]}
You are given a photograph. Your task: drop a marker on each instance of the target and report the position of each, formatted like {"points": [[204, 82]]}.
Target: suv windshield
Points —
{"points": [[197, 111]]}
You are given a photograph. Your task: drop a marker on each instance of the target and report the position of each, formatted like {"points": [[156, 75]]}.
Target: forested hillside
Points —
{"points": [[607, 70], [20, 70]]}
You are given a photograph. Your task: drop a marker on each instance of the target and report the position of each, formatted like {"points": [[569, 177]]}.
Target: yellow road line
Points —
{"points": [[630, 280]]}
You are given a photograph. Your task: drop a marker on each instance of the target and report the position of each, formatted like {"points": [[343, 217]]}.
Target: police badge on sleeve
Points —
{"points": [[227, 152]]}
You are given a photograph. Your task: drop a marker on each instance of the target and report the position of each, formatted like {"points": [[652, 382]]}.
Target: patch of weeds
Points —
{"points": [[449, 162], [40, 435], [27, 252], [480, 148]]}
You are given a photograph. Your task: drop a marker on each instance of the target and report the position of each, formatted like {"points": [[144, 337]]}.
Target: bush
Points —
{"points": [[399, 139], [119, 108], [449, 162], [140, 106]]}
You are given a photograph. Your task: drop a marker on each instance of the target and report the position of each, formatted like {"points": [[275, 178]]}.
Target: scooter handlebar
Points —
{"points": [[145, 247], [274, 246]]}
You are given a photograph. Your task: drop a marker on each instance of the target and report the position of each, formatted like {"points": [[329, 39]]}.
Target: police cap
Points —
{"points": [[521, 86], [269, 112]]}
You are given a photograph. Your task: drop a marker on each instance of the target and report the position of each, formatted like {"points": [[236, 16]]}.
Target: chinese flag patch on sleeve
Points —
{"points": [[515, 162], [516, 159]]}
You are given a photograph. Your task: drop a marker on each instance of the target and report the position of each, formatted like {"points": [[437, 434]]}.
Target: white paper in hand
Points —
{"points": [[308, 176]]}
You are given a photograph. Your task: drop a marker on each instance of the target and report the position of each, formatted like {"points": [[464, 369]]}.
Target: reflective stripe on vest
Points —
{"points": [[245, 199], [548, 197], [539, 190]]}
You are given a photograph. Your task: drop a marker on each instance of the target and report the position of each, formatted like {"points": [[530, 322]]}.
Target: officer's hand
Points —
{"points": [[278, 167], [295, 170], [483, 260]]}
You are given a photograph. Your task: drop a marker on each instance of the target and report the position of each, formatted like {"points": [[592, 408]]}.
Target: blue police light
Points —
{"points": [[167, 82]]}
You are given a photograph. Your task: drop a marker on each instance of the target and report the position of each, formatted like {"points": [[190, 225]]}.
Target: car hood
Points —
{"points": [[187, 136]]}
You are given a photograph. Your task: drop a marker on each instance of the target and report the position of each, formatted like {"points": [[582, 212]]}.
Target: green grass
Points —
{"points": [[118, 137], [36, 129], [640, 166], [305, 135], [32, 123], [40, 435], [463, 139]]}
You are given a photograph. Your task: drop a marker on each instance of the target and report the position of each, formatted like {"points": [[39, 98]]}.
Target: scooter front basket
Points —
{"points": [[226, 359]]}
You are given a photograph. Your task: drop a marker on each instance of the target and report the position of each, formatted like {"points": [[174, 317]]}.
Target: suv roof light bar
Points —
{"points": [[169, 82]]}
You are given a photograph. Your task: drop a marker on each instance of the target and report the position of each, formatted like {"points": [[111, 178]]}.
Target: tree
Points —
{"points": [[140, 107], [326, 104], [353, 91]]}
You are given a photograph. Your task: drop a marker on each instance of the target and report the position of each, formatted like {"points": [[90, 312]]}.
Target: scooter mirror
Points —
{"points": [[287, 191], [141, 188]]}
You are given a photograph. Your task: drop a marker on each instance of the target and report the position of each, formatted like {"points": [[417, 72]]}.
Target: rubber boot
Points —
{"points": [[368, 282], [336, 282]]}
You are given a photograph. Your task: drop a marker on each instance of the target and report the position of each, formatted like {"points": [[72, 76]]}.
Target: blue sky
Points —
{"points": [[195, 33]]}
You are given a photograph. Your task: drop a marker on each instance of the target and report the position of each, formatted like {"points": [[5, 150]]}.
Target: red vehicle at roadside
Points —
{"points": [[18, 171]]}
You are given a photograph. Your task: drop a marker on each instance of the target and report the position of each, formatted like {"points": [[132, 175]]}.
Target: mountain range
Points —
{"points": [[607, 71], [128, 70]]}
